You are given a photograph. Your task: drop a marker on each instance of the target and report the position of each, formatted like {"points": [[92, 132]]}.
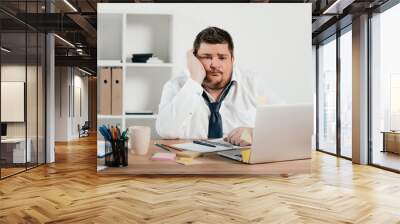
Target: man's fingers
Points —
{"points": [[229, 137], [239, 136], [232, 135], [236, 137]]}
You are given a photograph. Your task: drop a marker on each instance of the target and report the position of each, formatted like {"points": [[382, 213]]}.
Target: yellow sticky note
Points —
{"points": [[184, 160], [245, 155]]}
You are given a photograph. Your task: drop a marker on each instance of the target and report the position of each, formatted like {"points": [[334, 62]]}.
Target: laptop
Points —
{"points": [[281, 133]]}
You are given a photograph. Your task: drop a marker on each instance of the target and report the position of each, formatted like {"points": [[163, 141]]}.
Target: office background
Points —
{"points": [[331, 46]]}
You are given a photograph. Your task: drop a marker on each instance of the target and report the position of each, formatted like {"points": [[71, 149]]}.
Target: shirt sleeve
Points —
{"points": [[177, 106]]}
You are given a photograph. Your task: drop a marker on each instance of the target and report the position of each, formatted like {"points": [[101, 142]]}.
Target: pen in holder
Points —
{"points": [[116, 152], [116, 145]]}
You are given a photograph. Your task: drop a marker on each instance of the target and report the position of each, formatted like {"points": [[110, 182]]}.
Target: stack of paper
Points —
{"points": [[220, 145], [154, 60]]}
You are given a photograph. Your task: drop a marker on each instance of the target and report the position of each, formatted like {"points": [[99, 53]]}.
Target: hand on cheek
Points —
{"points": [[196, 69]]}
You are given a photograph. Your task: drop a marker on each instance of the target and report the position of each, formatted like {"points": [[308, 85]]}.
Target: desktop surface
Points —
{"points": [[208, 164]]}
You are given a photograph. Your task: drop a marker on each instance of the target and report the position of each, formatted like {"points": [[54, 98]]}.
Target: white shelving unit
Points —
{"points": [[119, 36], [153, 116], [109, 28], [109, 63], [149, 65], [109, 117]]}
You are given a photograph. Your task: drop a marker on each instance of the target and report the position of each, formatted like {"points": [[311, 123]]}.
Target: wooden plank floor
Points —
{"points": [[70, 191]]}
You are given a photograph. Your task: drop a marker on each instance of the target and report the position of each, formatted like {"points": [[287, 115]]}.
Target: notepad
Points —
{"points": [[163, 156], [220, 145]]}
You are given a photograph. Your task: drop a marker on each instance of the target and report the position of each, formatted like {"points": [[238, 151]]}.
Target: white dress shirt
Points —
{"points": [[184, 113]]}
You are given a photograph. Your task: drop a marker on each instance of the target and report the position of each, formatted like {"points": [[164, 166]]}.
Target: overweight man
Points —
{"points": [[213, 99]]}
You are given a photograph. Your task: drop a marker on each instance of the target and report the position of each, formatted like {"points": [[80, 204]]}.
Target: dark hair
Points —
{"points": [[213, 35]]}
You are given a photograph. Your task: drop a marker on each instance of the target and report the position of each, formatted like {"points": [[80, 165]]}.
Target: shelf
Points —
{"points": [[152, 116], [148, 33], [109, 36], [167, 65], [143, 87], [109, 116], [109, 63]]}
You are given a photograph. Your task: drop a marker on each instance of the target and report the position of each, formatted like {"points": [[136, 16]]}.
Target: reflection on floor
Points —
{"points": [[346, 152], [386, 159], [11, 169]]}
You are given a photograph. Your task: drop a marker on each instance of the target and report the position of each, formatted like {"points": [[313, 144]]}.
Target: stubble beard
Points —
{"points": [[210, 84]]}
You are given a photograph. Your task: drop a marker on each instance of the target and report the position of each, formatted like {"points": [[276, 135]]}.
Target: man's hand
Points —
{"points": [[240, 136], [196, 69]]}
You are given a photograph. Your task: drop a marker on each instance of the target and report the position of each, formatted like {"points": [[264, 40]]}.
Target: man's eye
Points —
{"points": [[222, 58]]}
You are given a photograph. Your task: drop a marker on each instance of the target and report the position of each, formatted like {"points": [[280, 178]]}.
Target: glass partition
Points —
{"points": [[13, 95], [346, 94], [385, 87], [22, 66], [327, 96]]}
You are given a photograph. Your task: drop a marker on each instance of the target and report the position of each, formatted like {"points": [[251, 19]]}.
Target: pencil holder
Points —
{"points": [[117, 153]]}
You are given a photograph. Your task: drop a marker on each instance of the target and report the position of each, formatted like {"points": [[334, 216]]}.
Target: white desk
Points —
{"points": [[18, 149]]}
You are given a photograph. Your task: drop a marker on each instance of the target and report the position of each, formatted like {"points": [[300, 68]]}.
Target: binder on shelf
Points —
{"points": [[105, 91], [116, 91]]}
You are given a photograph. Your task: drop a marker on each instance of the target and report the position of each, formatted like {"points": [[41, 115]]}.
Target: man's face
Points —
{"points": [[218, 62]]}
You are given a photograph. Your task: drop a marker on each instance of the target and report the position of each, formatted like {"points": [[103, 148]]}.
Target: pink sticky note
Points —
{"points": [[162, 156]]}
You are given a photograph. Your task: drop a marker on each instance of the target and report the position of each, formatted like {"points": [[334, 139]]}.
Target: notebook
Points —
{"points": [[220, 145]]}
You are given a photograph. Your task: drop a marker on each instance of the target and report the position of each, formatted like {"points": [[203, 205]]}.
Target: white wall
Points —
{"points": [[314, 74], [12, 73], [34, 125], [67, 80], [273, 40], [81, 83]]}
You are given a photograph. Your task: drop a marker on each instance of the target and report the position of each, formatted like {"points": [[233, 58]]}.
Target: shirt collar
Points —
{"points": [[234, 75]]}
